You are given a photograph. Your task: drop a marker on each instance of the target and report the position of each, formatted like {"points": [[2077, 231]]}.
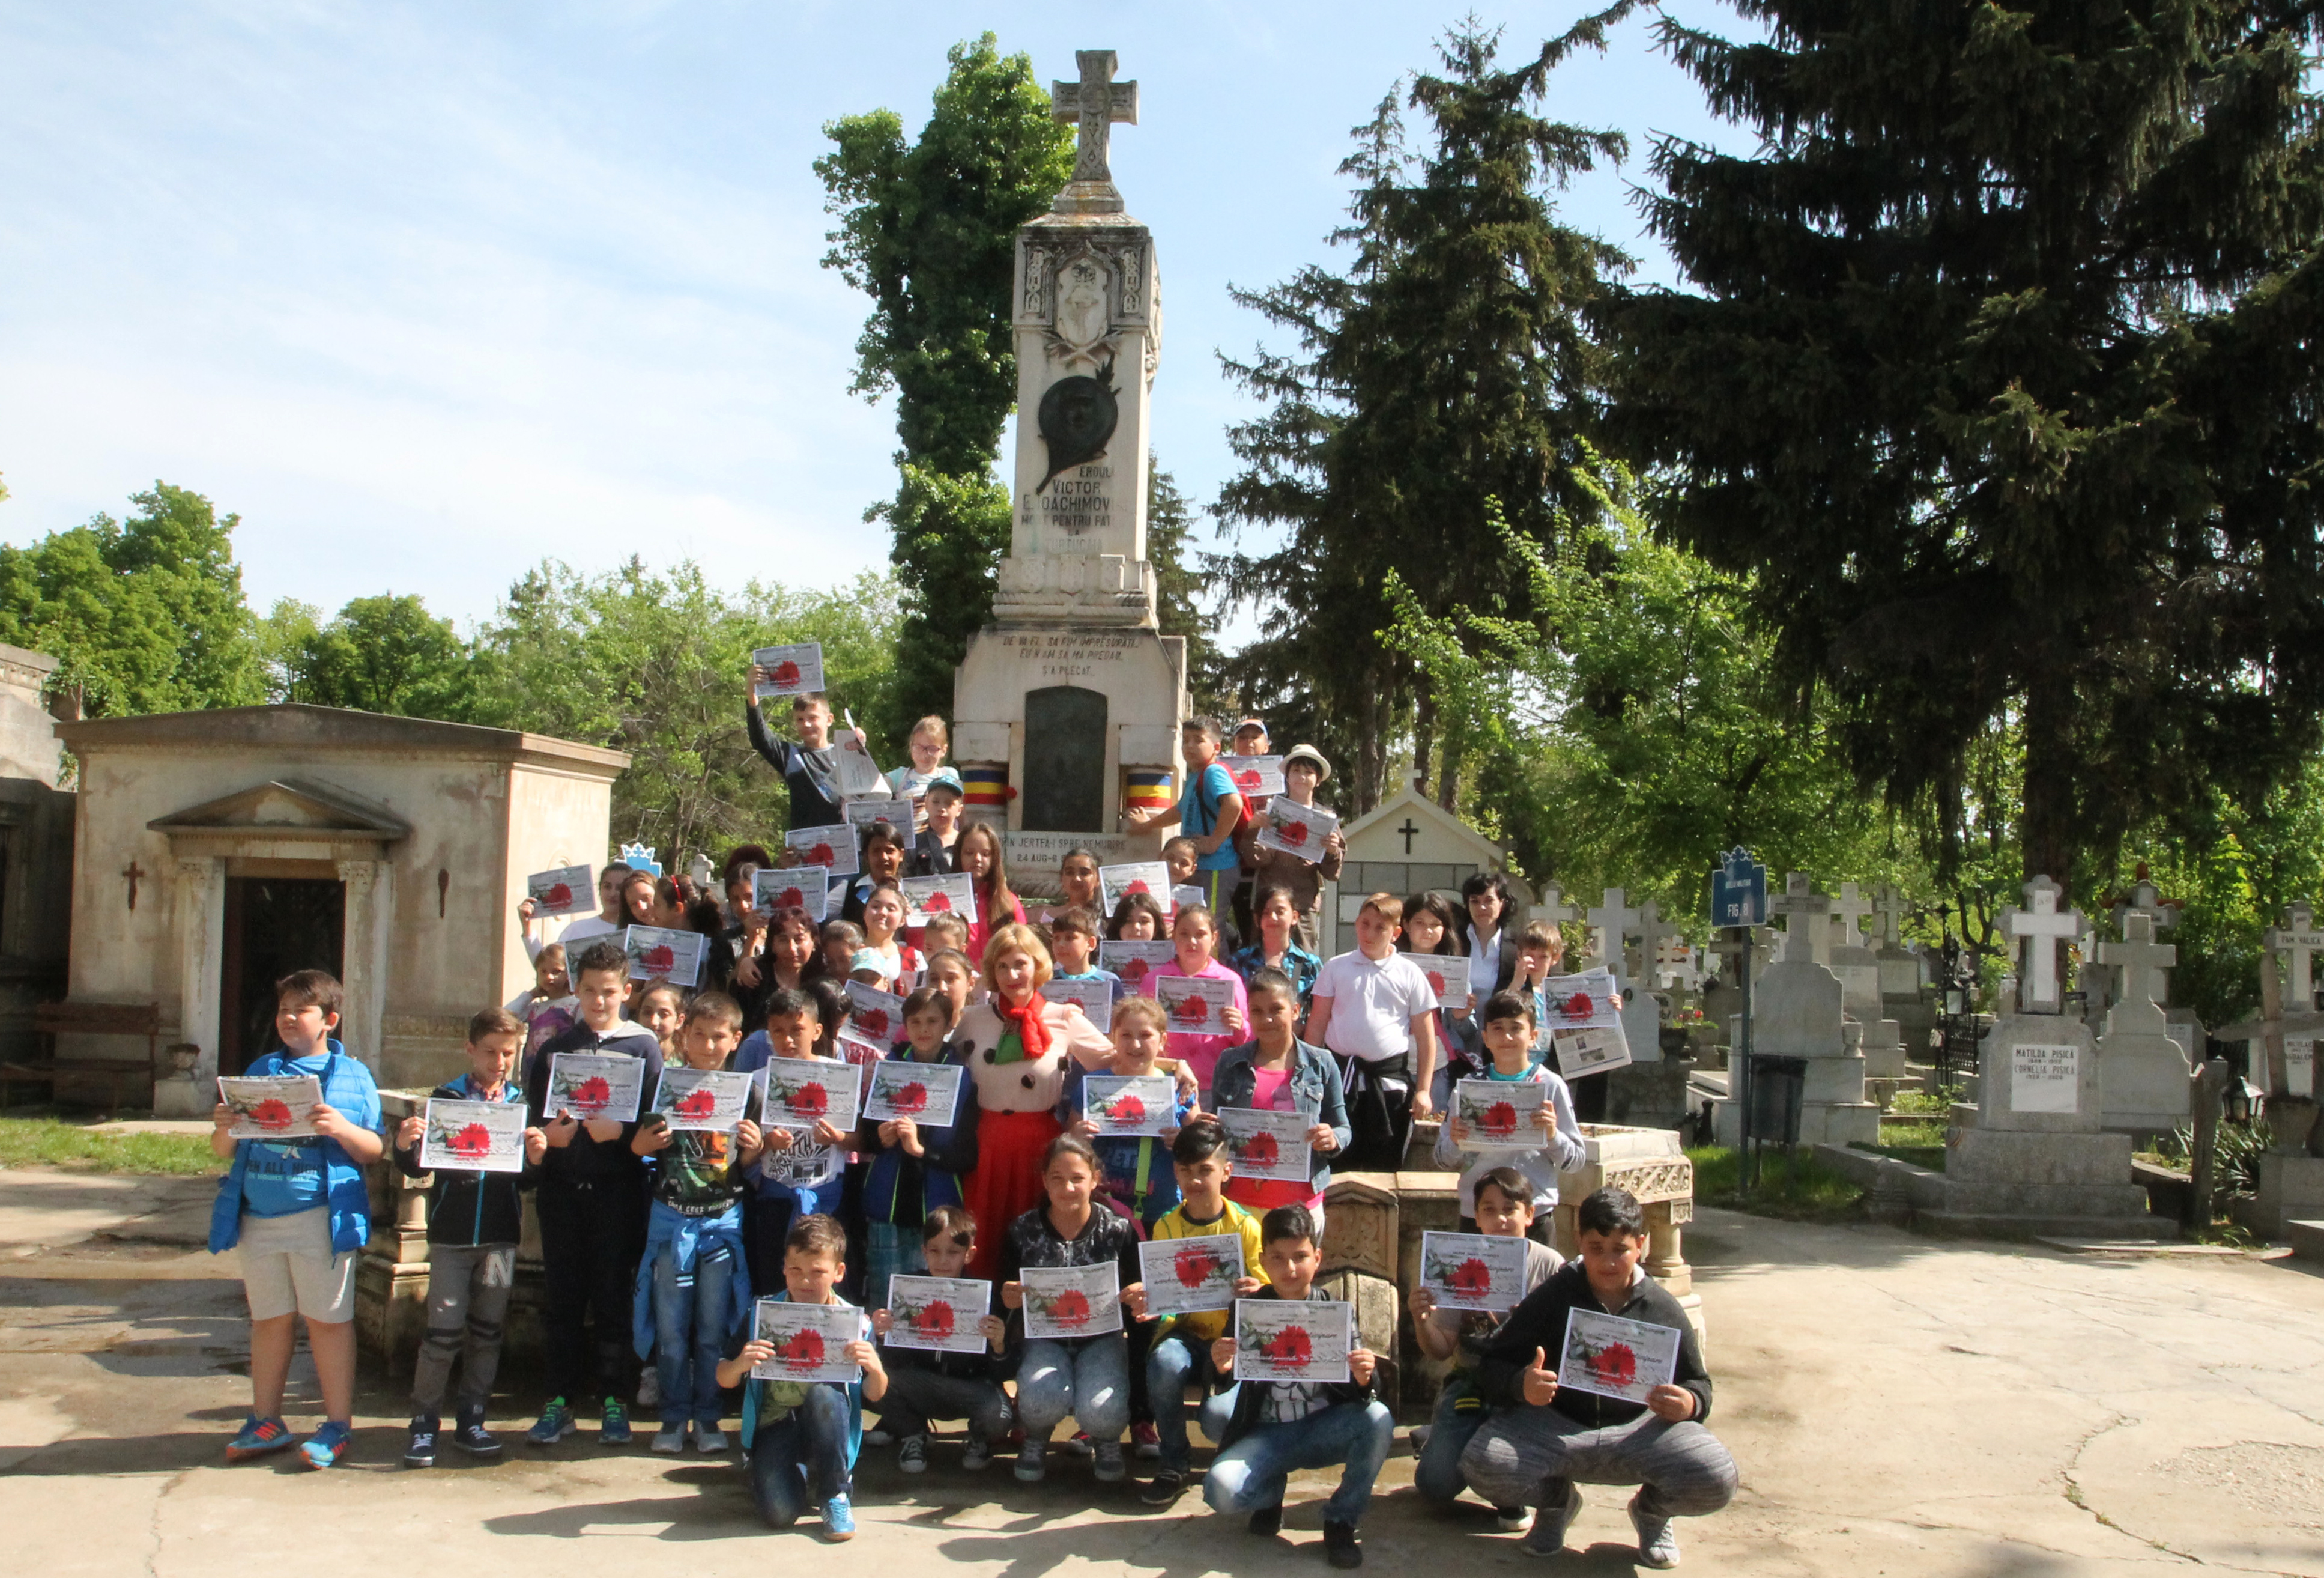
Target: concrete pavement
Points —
{"points": [[1897, 1406]]}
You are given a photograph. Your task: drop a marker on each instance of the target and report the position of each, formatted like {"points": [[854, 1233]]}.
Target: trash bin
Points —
{"points": [[1776, 1086]]}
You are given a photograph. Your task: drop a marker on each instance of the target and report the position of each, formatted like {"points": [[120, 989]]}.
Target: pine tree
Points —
{"points": [[928, 231], [2000, 372], [1448, 365]]}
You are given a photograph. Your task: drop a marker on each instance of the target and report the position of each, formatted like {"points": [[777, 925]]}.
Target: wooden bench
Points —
{"points": [[86, 1019]]}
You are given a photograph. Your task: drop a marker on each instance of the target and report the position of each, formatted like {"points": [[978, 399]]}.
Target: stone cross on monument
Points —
{"points": [[1804, 910], [2299, 938], [1610, 925], [2141, 961], [2039, 929], [1652, 934], [1095, 104], [1553, 906], [1891, 908], [1851, 908]]}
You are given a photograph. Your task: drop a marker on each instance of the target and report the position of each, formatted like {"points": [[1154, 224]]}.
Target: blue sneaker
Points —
{"points": [[556, 1423], [257, 1438], [614, 1426], [838, 1519], [325, 1446]]}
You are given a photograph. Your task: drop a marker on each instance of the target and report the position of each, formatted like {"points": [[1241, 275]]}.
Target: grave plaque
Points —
{"points": [[1065, 759], [2045, 1077]]}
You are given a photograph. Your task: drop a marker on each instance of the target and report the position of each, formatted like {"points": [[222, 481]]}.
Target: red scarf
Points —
{"points": [[1031, 1028]]}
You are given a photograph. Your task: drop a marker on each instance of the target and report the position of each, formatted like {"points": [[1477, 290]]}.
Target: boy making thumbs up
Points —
{"points": [[1543, 1438]]}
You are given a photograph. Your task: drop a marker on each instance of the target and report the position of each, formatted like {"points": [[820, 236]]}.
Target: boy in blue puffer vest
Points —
{"points": [[298, 1211]]}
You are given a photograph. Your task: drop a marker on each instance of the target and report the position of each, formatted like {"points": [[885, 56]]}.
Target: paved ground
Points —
{"points": [[1897, 1405]]}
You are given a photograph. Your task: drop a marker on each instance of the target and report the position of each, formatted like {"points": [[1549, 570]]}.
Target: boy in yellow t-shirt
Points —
{"points": [[1181, 1343]]}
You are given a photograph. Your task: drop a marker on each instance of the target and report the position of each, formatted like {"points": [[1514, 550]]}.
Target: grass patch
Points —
{"points": [[1937, 1105], [30, 1142], [1794, 1188]]}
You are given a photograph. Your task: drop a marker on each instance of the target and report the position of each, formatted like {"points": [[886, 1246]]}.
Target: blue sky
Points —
{"points": [[427, 293]]}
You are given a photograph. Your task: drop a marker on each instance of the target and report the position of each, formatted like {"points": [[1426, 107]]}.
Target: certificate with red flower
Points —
{"points": [[1254, 775], [473, 1137], [810, 1340], [1298, 831], [1072, 1301], [1448, 979], [1266, 1144], [806, 888], [1136, 963], [874, 1015], [1581, 1002], [802, 1091], [1095, 998], [1469, 1271], [1500, 1113], [1149, 877], [926, 898], [710, 1099], [938, 1315], [662, 952], [903, 1087], [832, 848], [1614, 1358], [272, 1106], [1196, 1004], [1190, 1276], [1288, 1339], [566, 891], [595, 1084], [1129, 1105], [795, 670]]}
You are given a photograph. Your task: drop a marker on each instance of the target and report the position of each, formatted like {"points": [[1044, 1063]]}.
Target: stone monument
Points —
{"points": [[2282, 1059], [2143, 1072], [2029, 1159], [1859, 969], [1073, 695], [1796, 1013]]}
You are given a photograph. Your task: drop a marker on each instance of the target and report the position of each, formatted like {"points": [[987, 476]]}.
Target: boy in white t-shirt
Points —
{"points": [[1374, 1009]]}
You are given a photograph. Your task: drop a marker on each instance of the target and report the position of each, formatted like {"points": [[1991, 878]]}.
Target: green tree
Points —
{"points": [[1447, 366], [144, 615], [383, 654], [928, 229], [1998, 375], [1181, 585]]}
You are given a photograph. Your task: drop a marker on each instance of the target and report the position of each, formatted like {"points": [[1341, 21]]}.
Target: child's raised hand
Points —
{"points": [[1545, 1118], [1421, 1301], [1086, 1127], [1540, 1381], [1235, 1021], [222, 1117], [1248, 1287], [1189, 1087], [535, 1146], [328, 1124], [1013, 1294], [1133, 1299], [1671, 1403], [880, 1321], [748, 1139], [525, 910], [908, 1136], [653, 1134], [1320, 1137], [995, 1330], [408, 1133], [828, 1134], [1222, 1355], [1361, 1362], [864, 1354], [778, 1139], [604, 1131], [558, 1130], [1458, 1127], [746, 969], [1168, 1133], [755, 1353]]}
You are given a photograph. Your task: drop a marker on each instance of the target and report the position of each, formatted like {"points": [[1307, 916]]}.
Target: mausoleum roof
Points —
{"points": [[300, 727]]}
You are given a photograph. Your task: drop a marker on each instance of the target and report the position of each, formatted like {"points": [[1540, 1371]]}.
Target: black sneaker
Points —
{"points": [[1340, 1546], [421, 1452], [1167, 1487], [472, 1437], [1267, 1521]]}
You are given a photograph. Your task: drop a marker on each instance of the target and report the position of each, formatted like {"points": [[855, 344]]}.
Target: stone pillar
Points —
{"points": [[392, 1272], [202, 963], [364, 967]]}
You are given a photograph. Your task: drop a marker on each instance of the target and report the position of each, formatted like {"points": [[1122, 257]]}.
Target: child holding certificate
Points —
{"points": [[1546, 1143], [802, 1436], [916, 1166], [799, 1173], [298, 1211], [930, 1377], [475, 1220], [1073, 946], [809, 769], [1279, 1072], [1266, 1428], [1179, 1349], [1568, 1408], [1194, 935], [1137, 1178], [693, 1288], [1504, 1211], [1087, 1377]]}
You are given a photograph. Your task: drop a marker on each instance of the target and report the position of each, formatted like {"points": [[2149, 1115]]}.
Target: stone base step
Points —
{"points": [[1976, 1224], [2307, 1239]]}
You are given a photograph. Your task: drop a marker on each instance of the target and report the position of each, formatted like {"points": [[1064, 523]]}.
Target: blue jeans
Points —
{"points": [[1174, 1361], [804, 1451], [1252, 1473], [690, 1332], [1460, 1413], [1089, 1380], [888, 1250]]}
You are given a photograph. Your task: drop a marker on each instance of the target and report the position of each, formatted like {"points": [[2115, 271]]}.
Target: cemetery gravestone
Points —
{"points": [[2143, 1072], [1796, 1011], [2282, 1062]]}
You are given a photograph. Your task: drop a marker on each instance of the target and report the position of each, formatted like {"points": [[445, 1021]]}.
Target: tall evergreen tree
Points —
{"points": [[1180, 585], [1447, 366], [2001, 373], [928, 229]]}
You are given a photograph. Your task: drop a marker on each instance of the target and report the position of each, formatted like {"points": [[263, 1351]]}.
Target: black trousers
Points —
{"points": [[591, 1235]]}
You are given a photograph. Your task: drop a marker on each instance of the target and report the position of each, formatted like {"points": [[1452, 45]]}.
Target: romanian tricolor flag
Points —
{"points": [[1150, 792], [985, 785]]}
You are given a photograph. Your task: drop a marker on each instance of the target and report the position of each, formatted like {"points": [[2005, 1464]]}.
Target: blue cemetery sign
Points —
{"points": [[640, 857], [1739, 890]]}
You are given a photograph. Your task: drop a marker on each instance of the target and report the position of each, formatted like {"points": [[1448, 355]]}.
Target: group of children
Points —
{"points": [[658, 1244]]}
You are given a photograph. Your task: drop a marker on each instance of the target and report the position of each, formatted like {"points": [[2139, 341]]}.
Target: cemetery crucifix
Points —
{"points": [[2040, 924], [1094, 105]]}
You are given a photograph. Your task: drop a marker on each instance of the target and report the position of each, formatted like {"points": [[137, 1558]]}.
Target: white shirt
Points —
{"points": [[1484, 964], [1373, 1004]]}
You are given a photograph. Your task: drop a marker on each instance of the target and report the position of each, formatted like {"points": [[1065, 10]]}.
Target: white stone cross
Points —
{"points": [[1891, 907], [1806, 913], [2040, 921], [1851, 908], [1095, 103], [1652, 934], [1553, 907], [2141, 959], [2299, 938], [1610, 925]]}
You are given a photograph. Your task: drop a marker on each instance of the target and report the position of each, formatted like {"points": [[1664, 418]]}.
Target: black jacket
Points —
{"points": [[468, 1208], [1539, 1322], [1033, 1241], [929, 858], [585, 1161], [815, 800], [1249, 1394]]}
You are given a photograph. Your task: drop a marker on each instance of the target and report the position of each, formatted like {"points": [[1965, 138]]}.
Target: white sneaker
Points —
{"points": [[876, 1436], [1513, 1519], [670, 1438], [709, 1439], [1657, 1536]]}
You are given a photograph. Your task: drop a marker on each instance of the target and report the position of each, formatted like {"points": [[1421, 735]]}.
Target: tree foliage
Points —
{"points": [[1999, 377], [383, 654], [144, 615], [928, 229], [1180, 586]]}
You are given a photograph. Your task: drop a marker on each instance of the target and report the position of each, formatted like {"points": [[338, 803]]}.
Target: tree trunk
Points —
{"points": [[1448, 776], [2046, 832], [1423, 730]]}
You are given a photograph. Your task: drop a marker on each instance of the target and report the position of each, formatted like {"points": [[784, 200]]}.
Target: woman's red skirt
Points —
{"points": [[1007, 1182]]}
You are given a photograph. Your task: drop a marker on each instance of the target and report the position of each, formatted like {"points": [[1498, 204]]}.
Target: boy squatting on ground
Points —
{"points": [[475, 1220], [1543, 1439], [298, 1211]]}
